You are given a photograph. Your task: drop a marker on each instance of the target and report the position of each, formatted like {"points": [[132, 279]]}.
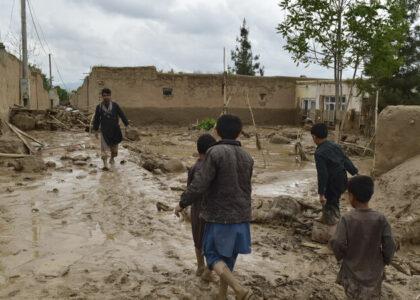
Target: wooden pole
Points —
{"points": [[25, 91], [257, 138]]}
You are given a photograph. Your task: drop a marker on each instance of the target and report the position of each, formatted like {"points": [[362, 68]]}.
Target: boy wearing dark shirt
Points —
{"points": [[225, 181], [332, 166], [204, 142], [363, 243]]}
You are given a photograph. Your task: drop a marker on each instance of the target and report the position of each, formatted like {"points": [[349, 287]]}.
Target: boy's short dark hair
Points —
{"points": [[361, 187], [320, 130], [204, 142], [229, 127], [106, 91]]}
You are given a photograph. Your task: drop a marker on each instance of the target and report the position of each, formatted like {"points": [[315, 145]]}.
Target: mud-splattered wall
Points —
{"points": [[10, 70], [149, 96]]}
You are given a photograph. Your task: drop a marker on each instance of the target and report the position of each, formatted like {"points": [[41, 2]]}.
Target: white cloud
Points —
{"points": [[186, 35]]}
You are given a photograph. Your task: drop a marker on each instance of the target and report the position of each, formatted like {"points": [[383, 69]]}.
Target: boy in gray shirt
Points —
{"points": [[363, 243]]}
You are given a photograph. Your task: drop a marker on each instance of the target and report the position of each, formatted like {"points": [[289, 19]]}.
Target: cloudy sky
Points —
{"points": [[184, 35]]}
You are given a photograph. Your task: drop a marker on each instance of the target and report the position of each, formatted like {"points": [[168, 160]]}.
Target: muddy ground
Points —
{"points": [[76, 232]]}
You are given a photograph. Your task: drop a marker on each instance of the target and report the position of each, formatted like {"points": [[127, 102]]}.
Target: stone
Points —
{"points": [[321, 233], [266, 210], [173, 166], [79, 163], [24, 121], [278, 139], [132, 134], [30, 164], [293, 135], [80, 157], [150, 164], [50, 164]]}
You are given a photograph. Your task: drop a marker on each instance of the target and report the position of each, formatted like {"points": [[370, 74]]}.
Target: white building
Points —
{"points": [[316, 98]]}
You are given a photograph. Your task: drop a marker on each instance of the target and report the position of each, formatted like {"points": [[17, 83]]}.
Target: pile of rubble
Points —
{"points": [[64, 118]]}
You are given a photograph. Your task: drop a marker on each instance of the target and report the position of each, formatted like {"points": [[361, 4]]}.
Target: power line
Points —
{"points": [[34, 21], [10, 21], [36, 29]]}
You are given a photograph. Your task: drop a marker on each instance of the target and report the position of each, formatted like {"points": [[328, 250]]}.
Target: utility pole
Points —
{"points": [[49, 61], [24, 82]]}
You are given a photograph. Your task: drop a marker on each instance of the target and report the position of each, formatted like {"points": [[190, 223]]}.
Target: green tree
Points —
{"points": [[340, 34], [403, 87], [63, 95], [245, 63]]}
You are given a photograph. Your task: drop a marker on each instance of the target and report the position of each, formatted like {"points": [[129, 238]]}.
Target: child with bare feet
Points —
{"points": [[363, 243], [204, 142], [225, 181]]}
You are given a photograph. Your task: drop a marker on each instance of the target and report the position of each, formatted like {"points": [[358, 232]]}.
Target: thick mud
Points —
{"points": [[76, 232]]}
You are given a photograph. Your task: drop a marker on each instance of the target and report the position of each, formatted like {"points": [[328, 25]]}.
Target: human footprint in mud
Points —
{"points": [[204, 142], [106, 119], [332, 166], [225, 181], [363, 243]]}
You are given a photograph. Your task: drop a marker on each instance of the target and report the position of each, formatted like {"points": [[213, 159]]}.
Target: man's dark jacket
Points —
{"points": [[108, 122], [332, 166], [225, 182]]}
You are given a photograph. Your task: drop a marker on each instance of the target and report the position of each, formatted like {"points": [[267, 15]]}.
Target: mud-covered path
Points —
{"points": [[79, 233]]}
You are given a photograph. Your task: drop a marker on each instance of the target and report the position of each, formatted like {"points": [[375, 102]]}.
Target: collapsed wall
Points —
{"points": [[397, 137], [10, 71], [149, 96], [397, 195], [397, 163]]}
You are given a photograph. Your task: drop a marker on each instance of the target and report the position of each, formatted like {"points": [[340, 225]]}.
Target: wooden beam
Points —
{"points": [[20, 137], [13, 155], [28, 136]]}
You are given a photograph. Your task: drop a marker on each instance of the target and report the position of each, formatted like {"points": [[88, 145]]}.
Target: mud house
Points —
{"points": [[316, 99], [151, 96], [10, 72]]}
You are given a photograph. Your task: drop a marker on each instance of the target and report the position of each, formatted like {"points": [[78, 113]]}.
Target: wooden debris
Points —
{"points": [[257, 138], [27, 135], [312, 245], [59, 122], [13, 155], [19, 135], [163, 207]]}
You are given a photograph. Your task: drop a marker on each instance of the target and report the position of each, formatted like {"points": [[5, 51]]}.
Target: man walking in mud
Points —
{"points": [[106, 120]]}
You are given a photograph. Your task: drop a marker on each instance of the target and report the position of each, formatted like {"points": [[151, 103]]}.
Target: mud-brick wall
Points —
{"points": [[10, 70], [397, 137], [191, 97]]}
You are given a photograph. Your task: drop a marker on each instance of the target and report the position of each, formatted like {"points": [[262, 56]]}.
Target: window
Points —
{"points": [[308, 104], [167, 92], [330, 103], [263, 100]]}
